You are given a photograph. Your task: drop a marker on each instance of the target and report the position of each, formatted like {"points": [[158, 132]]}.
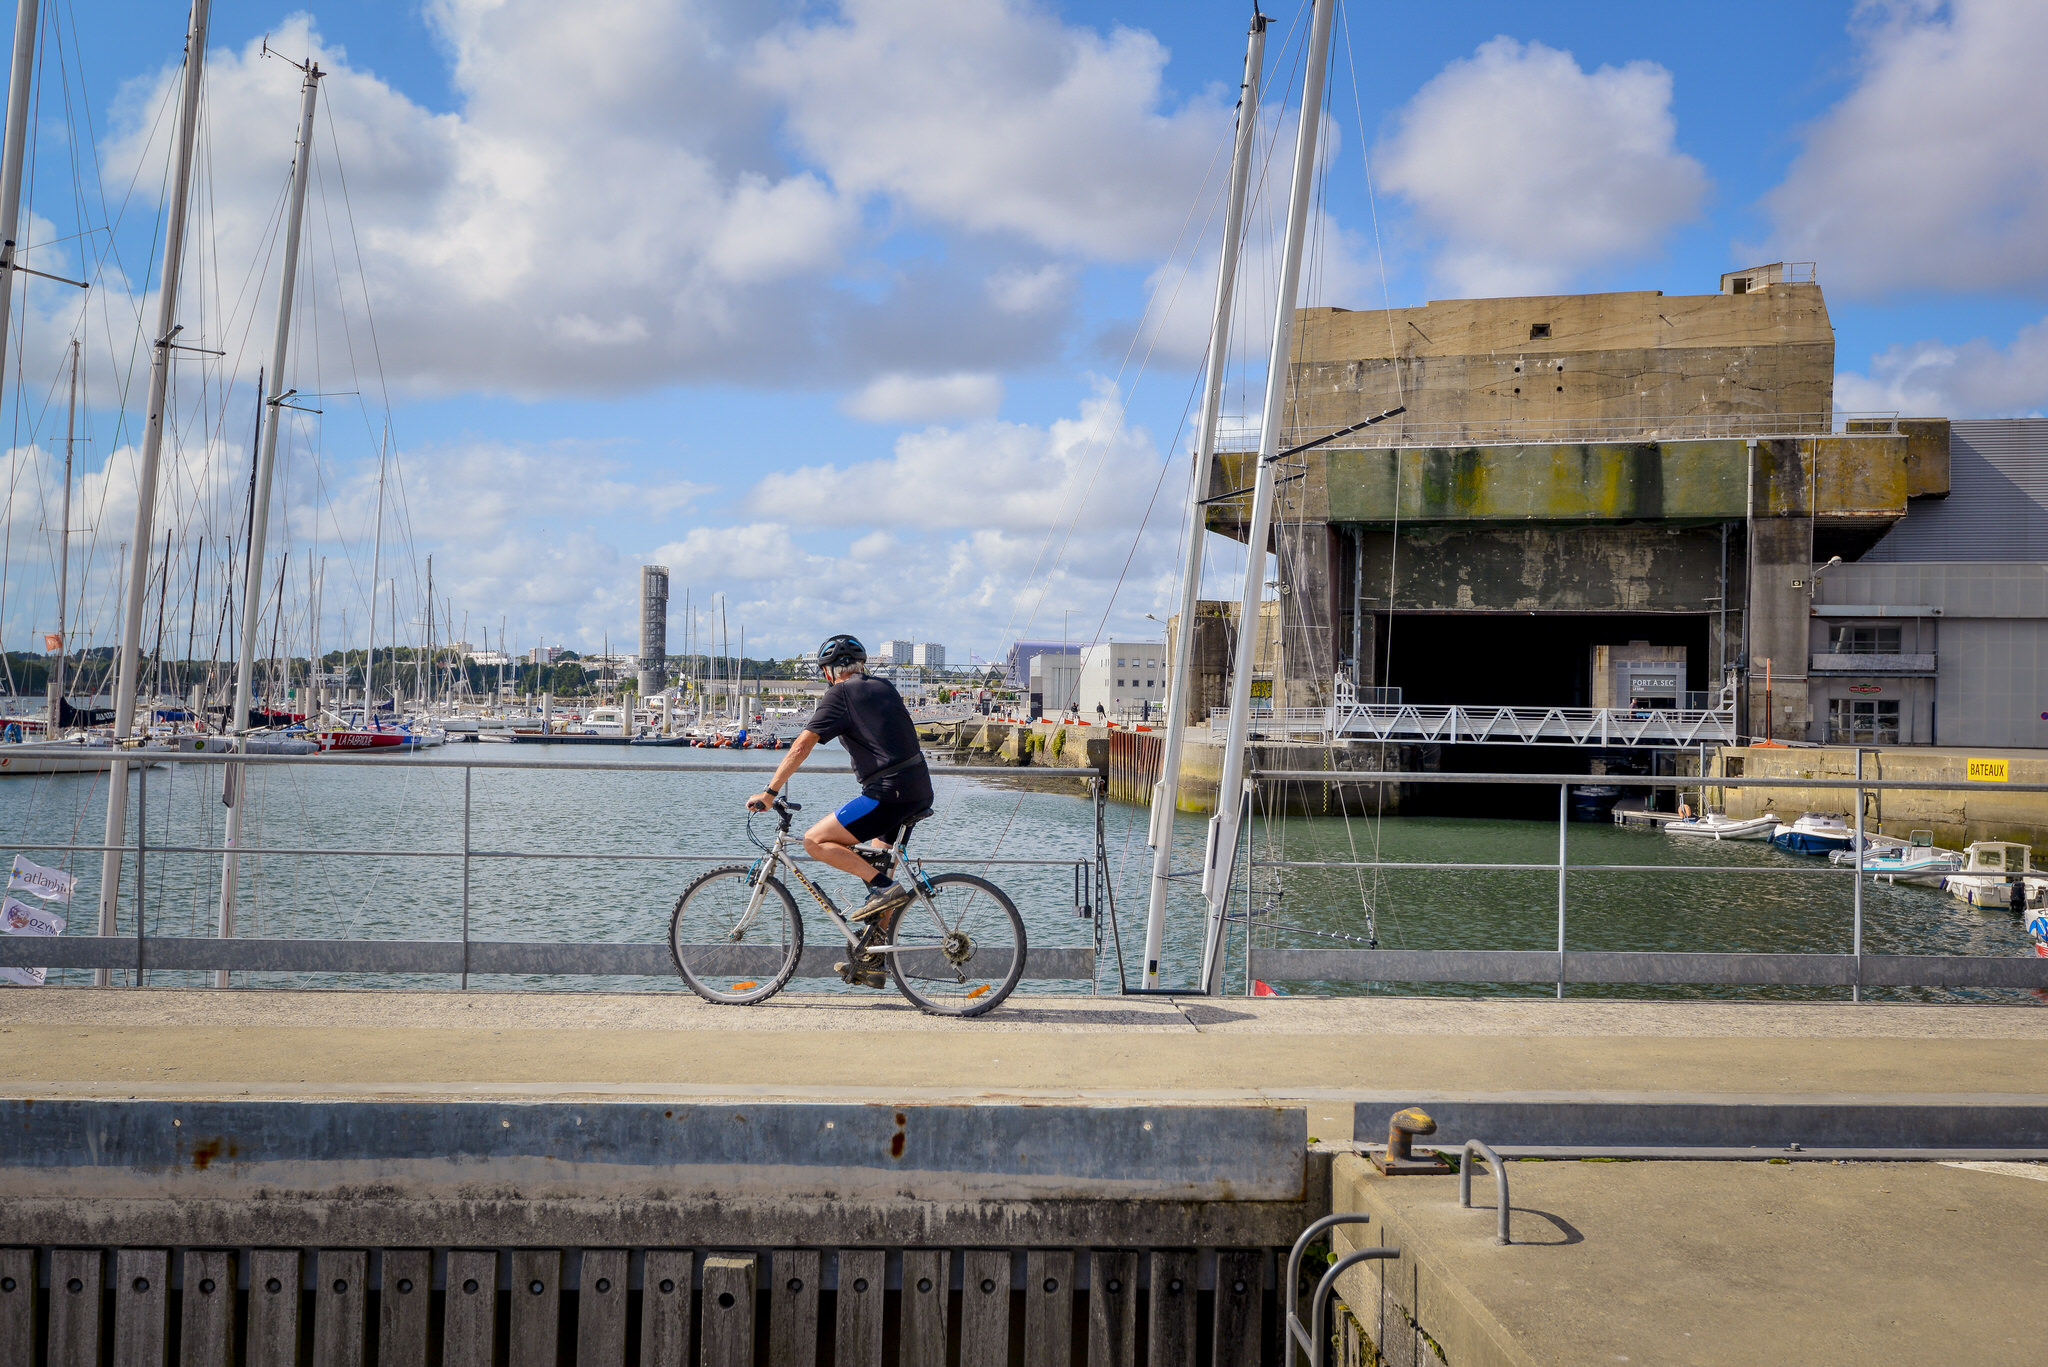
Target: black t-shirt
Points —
{"points": [[868, 717]]}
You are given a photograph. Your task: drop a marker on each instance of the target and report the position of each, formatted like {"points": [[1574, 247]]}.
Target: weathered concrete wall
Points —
{"points": [[1616, 357], [1857, 480], [1529, 569], [1969, 811], [1926, 451], [1215, 641], [1779, 597], [1202, 770]]}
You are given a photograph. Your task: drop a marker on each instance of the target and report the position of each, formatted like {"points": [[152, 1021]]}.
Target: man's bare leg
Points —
{"points": [[828, 842]]}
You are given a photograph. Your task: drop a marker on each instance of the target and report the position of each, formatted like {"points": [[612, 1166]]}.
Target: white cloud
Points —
{"points": [[922, 398], [1932, 173], [1531, 170], [1976, 379], [995, 116], [1018, 290], [609, 207], [1001, 475]]}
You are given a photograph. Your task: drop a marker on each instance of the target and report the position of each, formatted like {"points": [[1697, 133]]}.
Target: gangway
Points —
{"points": [[1387, 718]]}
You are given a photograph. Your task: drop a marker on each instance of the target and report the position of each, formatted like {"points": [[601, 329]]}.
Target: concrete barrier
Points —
{"points": [[453, 1172], [2000, 1125]]}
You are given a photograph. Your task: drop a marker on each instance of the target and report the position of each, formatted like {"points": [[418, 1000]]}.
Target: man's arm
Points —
{"points": [[799, 751]]}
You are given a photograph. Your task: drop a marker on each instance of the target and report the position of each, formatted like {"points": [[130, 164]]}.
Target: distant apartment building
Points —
{"points": [[928, 655], [892, 653], [543, 655], [1017, 664], [1123, 678], [1055, 684]]}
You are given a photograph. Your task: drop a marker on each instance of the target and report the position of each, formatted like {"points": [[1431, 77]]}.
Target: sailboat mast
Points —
{"points": [[1223, 827], [314, 665], [259, 504], [13, 153], [376, 569], [128, 657], [1164, 795], [64, 552]]}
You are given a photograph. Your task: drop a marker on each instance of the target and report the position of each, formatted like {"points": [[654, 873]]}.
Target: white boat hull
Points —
{"points": [[1755, 828]]}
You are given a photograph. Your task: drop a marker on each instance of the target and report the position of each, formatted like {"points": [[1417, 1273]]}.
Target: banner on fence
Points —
{"points": [[21, 918], [52, 885]]}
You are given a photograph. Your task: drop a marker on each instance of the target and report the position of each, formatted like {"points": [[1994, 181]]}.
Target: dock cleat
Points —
{"points": [[865, 971]]}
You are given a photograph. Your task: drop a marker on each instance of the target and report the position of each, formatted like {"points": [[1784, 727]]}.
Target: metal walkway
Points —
{"points": [[1595, 727]]}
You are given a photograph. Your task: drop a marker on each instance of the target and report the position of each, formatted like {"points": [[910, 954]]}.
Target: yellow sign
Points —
{"points": [[1989, 771], [1262, 688]]}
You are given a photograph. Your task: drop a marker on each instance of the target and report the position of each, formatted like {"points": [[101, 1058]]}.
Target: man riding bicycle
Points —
{"points": [[868, 718]]}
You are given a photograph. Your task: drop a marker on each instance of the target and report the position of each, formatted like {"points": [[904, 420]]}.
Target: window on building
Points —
{"points": [[1854, 721], [1538, 331], [1870, 640]]}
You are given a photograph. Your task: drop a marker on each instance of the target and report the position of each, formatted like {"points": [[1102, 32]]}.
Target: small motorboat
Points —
{"points": [[678, 742], [1718, 825], [1814, 833], [1892, 860], [1998, 875]]}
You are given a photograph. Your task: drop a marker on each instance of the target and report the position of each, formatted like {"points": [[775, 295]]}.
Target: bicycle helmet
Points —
{"points": [[841, 652]]}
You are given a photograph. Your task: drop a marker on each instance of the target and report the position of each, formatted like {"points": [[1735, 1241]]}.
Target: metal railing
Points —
{"points": [[143, 952], [1090, 880], [1435, 724], [1855, 970]]}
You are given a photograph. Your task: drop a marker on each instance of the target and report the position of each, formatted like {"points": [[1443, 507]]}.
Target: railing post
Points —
{"points": [[141, 859], [1856, 944], [467, 771], [1564, 803]]}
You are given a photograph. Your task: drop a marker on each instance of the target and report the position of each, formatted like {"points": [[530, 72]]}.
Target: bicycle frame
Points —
{"points": [[777, 856]]}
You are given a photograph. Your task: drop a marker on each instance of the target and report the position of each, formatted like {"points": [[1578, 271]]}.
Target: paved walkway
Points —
{"points": [[1322, 1052]]}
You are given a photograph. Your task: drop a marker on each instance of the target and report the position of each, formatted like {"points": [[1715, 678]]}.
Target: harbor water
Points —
{"points": [[379, 833]]}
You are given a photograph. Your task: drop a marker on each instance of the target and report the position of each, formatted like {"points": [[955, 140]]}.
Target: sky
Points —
{"points": [[885, 316]]}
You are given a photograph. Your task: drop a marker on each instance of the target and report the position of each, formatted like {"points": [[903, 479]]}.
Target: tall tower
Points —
{"points": [[653, 628]]}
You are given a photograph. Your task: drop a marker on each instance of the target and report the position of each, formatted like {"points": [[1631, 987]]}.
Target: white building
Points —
{"points": [[892, 653], [928, 655], [1126, 679], [1055, 682], [906, 680]]}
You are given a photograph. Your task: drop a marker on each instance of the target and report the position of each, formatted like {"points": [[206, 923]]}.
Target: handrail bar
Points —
{"points": [[1479, 1148], [1536, 868], [744, 856], [1646, 781], [149, 755]]}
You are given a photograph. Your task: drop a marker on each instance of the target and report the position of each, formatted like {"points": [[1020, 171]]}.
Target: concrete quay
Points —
{"points": [[1128, 1169]]}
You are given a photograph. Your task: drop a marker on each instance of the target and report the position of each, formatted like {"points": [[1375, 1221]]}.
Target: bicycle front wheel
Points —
{"points": [[960, 949], [727, 955]]}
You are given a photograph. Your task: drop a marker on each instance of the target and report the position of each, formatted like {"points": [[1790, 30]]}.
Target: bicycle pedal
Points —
{"points": [[861, 974]]}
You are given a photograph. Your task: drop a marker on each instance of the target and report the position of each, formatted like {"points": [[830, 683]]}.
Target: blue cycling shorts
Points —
{"points": [[872, 818]]}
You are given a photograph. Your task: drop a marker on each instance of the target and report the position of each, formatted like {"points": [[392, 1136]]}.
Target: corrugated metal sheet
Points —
{"points": [[1997, 507]]}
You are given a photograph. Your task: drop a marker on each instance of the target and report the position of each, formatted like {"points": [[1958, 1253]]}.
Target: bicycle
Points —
{"points": [[955, 949]]}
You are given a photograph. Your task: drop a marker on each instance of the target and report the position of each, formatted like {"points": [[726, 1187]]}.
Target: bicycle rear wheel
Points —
{"points": [[961, 953], [720, 958]]}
